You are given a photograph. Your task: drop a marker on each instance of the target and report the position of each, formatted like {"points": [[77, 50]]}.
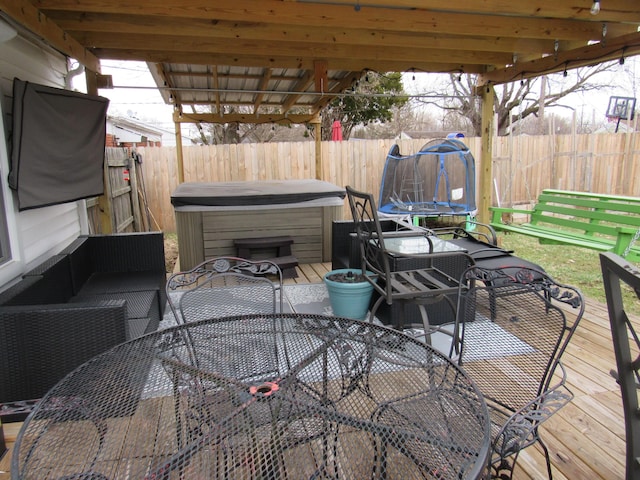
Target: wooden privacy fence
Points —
{"points": [[121, 208], [522, 166]]}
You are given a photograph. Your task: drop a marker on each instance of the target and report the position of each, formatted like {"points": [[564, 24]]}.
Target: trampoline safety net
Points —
{"points": [[438, 180]]}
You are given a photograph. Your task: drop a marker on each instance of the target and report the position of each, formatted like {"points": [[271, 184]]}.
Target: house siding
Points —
{"points": [[112, 141], [38, 233]]}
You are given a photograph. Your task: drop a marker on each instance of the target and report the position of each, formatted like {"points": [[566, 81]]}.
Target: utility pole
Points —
{"points": [[543, 97]]}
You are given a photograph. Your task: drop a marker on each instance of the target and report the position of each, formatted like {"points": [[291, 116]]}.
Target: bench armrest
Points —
{"points": [[496, 213], [624, 239]]}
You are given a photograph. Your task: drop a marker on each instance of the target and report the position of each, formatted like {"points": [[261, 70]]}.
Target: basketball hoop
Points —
{"points": [[621, 108]]}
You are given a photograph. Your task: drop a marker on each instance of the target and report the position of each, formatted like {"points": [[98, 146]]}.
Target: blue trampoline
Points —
{"points": [[438, 180]]}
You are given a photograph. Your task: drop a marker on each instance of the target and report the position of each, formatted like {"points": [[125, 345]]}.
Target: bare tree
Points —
{"points": [[236, 132], [514, 101]]}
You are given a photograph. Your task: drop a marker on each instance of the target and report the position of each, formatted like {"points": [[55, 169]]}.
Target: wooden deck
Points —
{"points": [[586, 439]]}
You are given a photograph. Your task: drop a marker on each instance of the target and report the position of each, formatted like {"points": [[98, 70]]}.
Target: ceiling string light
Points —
{"points": [[595, 8]]}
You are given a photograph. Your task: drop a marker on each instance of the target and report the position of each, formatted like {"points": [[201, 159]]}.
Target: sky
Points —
{"points": [[146, 104], [623, 81]]}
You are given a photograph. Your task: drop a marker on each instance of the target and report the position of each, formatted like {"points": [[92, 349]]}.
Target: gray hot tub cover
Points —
{"points": [[229, 194]]}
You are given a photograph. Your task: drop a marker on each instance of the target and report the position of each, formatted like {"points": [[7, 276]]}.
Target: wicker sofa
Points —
{"points": [[100, 291]]}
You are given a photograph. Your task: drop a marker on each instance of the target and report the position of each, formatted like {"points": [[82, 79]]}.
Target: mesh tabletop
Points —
{"points": [[260, 396]]}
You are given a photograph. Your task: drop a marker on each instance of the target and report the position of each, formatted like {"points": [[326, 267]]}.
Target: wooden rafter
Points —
{"points": [[262, 43], [23, 12], [264, 81]]}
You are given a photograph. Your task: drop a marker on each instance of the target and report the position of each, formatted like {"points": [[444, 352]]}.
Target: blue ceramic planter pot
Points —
{"points": [[348, 298]]}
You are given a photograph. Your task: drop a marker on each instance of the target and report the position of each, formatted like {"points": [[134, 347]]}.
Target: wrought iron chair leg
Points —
{"points": [[425, 319], [425, 324], [546, 457], [374, 309], [504, 470]]}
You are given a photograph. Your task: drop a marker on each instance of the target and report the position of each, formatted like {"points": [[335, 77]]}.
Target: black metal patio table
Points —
{"points": [[260, 396]]}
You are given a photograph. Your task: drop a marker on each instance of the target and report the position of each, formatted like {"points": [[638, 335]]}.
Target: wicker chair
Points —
{"points": [[514, 325], [422, 279], [617, 274], [225, 286]]}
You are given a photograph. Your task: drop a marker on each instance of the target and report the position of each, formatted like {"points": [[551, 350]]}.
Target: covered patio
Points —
{"points": [[586, 438], [282, 61]]}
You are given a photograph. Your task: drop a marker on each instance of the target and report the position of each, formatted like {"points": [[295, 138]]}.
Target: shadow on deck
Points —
{"points": [[586, 439]]}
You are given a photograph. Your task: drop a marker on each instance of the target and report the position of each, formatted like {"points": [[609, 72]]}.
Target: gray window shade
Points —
{"points": [[58, 142]]}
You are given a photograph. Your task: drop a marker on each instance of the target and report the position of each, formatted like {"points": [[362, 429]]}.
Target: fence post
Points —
{"points": [[135, 202], [317, 128], [105, 205], [179, 152], [486, 172]]}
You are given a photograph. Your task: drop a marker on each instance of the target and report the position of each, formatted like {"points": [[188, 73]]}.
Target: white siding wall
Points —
{"points": [[38, 233]]}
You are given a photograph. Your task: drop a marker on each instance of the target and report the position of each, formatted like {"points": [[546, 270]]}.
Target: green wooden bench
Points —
{"points": [[590, 220]]}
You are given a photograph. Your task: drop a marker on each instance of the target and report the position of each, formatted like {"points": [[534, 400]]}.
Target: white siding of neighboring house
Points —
{"points": [[39, 233]]}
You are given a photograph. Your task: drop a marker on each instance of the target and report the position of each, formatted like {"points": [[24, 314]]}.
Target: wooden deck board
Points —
{"points": [[585, 439]]}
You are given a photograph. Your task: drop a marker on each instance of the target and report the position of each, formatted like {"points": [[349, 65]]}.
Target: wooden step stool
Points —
{"points": [[258, 248]]}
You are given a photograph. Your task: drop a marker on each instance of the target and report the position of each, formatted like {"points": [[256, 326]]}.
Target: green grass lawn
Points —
{"points": [[575, 266]]}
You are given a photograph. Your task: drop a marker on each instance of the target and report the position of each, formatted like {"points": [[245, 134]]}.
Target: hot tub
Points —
{"points": [[210, 216]]}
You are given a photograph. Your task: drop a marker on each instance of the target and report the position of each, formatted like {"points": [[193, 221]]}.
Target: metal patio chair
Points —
{"points": [[514, 326], [225, 286], [217, 288], [422, 279], [618, 274]]}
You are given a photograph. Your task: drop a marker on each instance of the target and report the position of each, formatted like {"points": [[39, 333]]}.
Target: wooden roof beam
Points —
{"points": [[340, 87], [356, 64], [301, 85], [332, 16], [216, 86], [279, 118], [264, 82], [23, 12], [167, 93], [616, 10], [232, 49], [590, 55], [81, 23]]}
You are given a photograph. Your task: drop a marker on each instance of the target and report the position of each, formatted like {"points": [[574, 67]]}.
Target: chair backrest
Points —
{"points": [[515, 325], [376, 258], [617, 275], [225, 286], [369, 231]]}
